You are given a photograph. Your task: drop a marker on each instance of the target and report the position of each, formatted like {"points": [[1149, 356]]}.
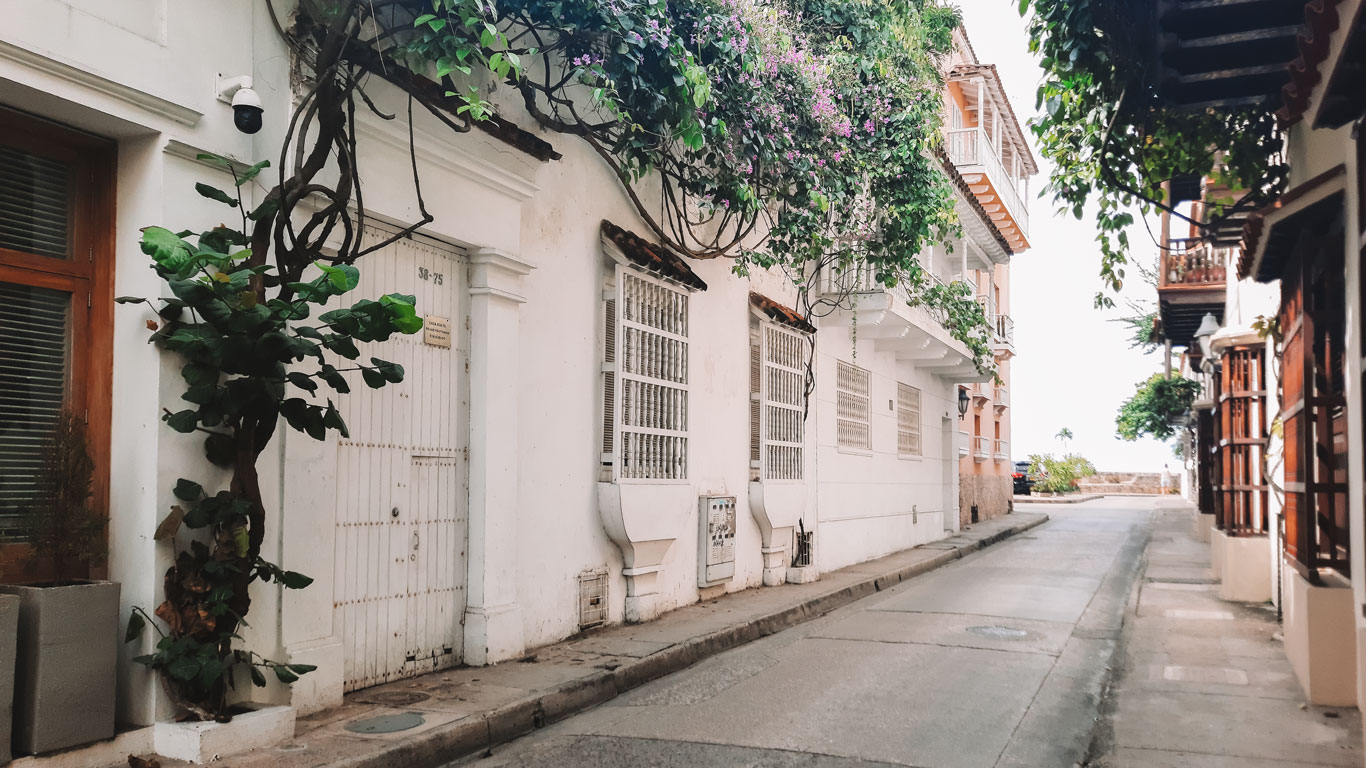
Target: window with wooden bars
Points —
{"points": [[645, 379], [777, 383], [56, 305], [907, 421], [852, 408], [1240, 410]]}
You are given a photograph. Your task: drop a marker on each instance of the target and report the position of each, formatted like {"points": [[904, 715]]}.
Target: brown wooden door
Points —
{"points": [[56, 307]]}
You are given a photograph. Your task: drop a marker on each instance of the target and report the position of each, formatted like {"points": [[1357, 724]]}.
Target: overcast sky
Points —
{"points": [[1072, 368]]}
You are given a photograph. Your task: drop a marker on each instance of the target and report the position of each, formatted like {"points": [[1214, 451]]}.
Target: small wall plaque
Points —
{"points": [[436, 331]]}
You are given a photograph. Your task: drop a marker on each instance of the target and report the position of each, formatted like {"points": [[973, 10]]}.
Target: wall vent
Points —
{"points": [[803, 542], [592, 598], [716, 553]]}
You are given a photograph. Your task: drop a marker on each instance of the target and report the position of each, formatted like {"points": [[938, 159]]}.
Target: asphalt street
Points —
{"points": [[999, 659]]}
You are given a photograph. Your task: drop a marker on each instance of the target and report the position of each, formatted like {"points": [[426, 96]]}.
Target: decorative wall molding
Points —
{"points": [[85, 79], [446, 155]]}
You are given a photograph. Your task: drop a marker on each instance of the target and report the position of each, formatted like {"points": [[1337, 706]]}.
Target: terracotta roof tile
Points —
{"points": [[652, 256], [1321, 20], [779, 313], [1255, 229]]}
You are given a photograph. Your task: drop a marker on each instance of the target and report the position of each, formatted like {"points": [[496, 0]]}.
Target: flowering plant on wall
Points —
{"points": [[798, 135]]}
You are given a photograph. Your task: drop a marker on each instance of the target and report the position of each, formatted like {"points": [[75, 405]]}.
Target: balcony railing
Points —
{"points": [[972, 146], [1002, 397], [1005, 329], [963, 442], [988, 305], [1192, 264], [1001, 449], [981, 447]]}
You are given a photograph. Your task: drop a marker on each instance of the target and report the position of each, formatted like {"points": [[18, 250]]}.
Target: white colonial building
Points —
{"points": [[606, 432]]}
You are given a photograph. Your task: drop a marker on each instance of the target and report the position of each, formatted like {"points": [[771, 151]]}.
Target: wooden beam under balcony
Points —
{"points": [[1223, 54]]}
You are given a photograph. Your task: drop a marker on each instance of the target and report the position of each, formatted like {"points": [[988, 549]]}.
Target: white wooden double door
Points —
{"points": [[402, 477]]}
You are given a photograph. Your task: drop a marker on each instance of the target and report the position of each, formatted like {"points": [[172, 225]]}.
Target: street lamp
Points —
{"points": [[1209, 325], [963, 401]]}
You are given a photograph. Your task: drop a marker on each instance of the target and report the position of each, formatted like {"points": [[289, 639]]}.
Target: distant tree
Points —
{"points": [[1064, 435], [1157, 401]]}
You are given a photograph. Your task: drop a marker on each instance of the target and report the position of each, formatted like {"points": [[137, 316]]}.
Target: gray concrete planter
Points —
{"points": [[65, 664], [9, 628]]}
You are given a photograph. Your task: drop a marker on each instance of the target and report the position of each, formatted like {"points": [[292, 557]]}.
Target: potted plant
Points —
{"points": [[9, 627], [67, 646]]}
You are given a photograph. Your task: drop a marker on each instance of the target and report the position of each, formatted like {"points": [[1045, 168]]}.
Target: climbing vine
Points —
{"points": [[1111, 140], [249, 359]]}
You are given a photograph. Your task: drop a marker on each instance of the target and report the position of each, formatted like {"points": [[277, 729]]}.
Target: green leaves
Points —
{"points": [[1156, 403], [215, 194], [342, 277], [188, 490], [136, 624], [166, 248]]}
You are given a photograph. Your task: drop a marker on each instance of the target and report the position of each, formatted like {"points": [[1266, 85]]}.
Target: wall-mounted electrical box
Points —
{"points": [[716, 540]]}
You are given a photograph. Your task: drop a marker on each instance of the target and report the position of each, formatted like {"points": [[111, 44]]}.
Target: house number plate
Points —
{"points": [[436, 331]]}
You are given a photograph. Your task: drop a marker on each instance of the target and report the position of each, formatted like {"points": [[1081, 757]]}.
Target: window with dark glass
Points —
{"points": [[55, 308]]}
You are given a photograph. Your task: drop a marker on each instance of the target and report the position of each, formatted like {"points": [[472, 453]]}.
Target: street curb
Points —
{"points": [[1060, 499], [442, 745]]}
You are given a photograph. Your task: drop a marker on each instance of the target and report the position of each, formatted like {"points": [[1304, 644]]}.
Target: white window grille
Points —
{"points": [[907, 420], [852, 408], [645, 380], [777, 377]]}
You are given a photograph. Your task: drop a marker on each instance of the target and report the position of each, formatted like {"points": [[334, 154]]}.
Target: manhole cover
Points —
{"points": [[999, 633], [396, 698], [386, 723]]}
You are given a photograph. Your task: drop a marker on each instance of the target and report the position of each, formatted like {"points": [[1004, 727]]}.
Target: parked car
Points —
{"points": [[1024, 480]]}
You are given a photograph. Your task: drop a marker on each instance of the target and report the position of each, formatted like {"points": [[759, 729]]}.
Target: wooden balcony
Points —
{"points": [[1002, 192], [1190, 284]]}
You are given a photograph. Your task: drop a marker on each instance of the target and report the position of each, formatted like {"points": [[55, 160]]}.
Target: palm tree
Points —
{"points": [[1064, 435]]}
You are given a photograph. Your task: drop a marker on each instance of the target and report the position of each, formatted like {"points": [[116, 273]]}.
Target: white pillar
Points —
{"points": [[1356, 440], [493, 620]]}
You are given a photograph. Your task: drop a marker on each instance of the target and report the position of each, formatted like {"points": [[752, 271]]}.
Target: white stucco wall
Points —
{"points": [[145, 75], [871, 503]]}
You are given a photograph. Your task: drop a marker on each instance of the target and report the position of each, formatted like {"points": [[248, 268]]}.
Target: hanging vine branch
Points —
{"points": [[1113, 143]]}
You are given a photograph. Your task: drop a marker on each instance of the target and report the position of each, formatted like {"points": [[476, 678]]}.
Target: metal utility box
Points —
{"points": [[716, 540]]}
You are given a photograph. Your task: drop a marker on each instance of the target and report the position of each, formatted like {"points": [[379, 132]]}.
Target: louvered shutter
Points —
{"points": [[853, 407], [609, 381], [35, 203], [34, 350], [784, 400], [755, 403]]}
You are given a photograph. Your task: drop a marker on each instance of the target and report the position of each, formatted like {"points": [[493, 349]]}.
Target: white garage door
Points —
{"points": [[403, 477]]}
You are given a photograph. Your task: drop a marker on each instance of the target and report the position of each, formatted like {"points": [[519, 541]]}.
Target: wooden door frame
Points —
{"points": [[93, 235]]}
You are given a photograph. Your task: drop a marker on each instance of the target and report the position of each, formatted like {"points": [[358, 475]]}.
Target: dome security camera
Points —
{"points": [[246, 110], [246, 103]]}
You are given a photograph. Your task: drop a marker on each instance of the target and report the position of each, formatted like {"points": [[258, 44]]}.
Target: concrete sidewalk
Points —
{"points": [[1205, 683], [466, 710]]}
